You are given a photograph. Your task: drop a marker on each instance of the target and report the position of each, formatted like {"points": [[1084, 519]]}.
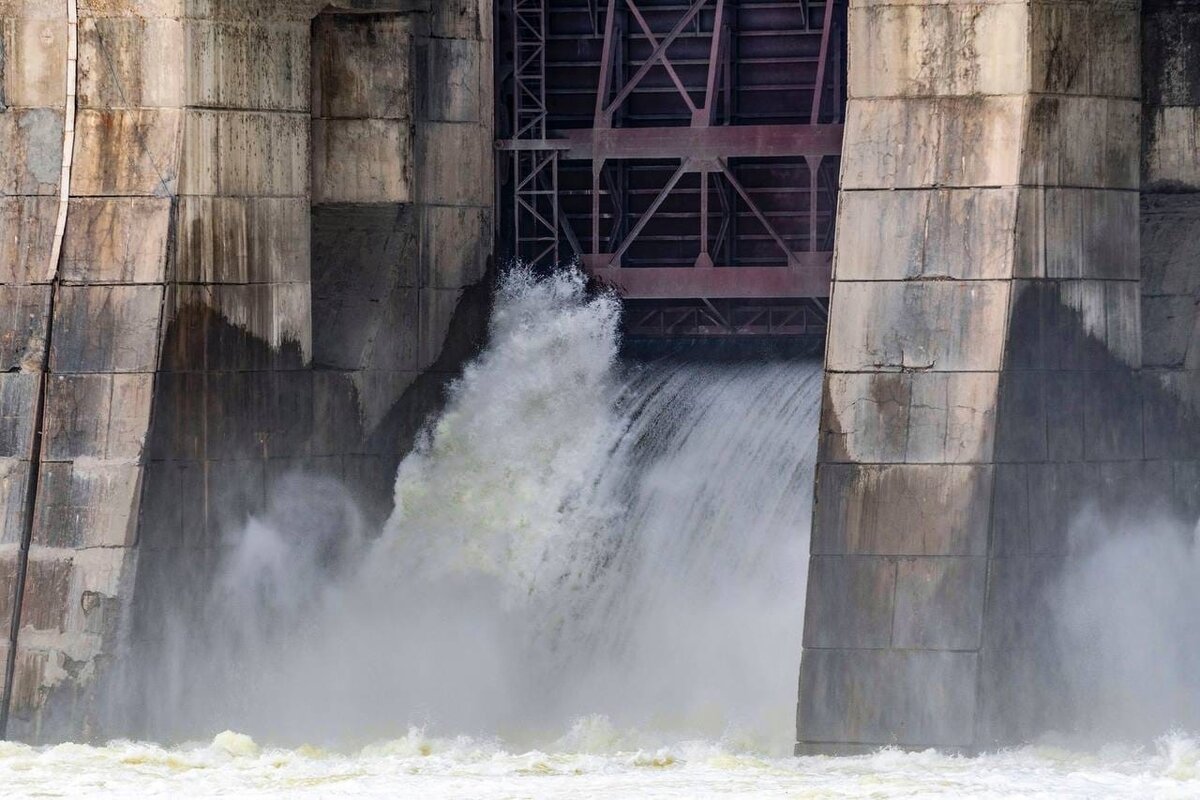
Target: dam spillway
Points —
{"points": [[270, 243], [530, 575]]}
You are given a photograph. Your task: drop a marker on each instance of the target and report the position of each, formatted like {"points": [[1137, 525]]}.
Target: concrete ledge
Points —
{"points": [[903, 234], [451, 157], [1171, 160], [939, 603], [362, 68], [362, 161], [242, 240], [106, 329], [245, 153], [18, 399], [116, 240], [31, 140], [131, 62], [101, 417], [1077, 233], [24, 314], [34, 52], [87, 503], [1081, 142], [925, 142], [1074, 325], [27, 231]]}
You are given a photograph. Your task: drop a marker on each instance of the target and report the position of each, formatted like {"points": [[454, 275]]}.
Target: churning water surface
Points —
{"points": [[592, 585]]}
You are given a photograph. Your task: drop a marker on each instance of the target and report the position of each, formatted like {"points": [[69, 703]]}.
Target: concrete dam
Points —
{"points": [[255, 270]]}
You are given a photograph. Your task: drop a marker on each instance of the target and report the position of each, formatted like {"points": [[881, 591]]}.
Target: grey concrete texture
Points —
{"points": [[901, 509], [208, 337], [1171, 94], [1011, 344], [870, 417], [906, 698]]}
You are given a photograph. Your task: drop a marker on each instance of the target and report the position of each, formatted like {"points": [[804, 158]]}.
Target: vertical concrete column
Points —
{"points": [[103, 355], [1069, 428], [402, 154], [188, 205], [234, 402], [987, 240], [402, 219], [33, 56], [177, 355], [1171, 240], [454, 136], [366, 238]]}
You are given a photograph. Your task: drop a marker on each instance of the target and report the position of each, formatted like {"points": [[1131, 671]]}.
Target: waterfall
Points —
{"points": [[575, 537]]}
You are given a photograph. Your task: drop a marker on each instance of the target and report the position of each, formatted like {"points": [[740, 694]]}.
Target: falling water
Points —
{"points": [[573, 537], [592, 584]]}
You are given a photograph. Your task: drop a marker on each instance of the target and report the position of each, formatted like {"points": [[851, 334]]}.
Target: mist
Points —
{"points": [[573, 538], [1127, 624], [580, 543]]}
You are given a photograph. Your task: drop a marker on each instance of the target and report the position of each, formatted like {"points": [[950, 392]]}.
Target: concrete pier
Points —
{"points": [[984, 367], [271, 219], [1170, 208]]}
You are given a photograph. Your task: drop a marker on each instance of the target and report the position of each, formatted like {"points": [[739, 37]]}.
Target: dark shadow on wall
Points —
{"points": [[1090, 452], [1170, 84], [234, 421], [365, 287]]}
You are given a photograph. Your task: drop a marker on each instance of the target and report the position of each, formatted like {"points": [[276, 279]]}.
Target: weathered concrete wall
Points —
{"points": [[33, 55], [196, 342], [399, 228], [983, 361], [1171, 204]]}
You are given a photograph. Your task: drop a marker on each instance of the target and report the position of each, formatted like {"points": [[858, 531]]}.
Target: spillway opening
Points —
{"points": [[577, 534]]}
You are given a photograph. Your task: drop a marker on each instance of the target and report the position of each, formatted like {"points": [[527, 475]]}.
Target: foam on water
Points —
{"points": [[418, 765]]}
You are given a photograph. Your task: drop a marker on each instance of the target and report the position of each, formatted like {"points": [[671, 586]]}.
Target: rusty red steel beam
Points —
{"points": [[708, 115], [809, 278], [822, 59], [762, 218], [604, 116], [699, 143], [649, 212], [666, 61]]}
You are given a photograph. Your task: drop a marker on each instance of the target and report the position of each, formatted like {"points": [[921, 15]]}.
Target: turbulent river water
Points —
{"points": [[592, 585], [593, 761]]}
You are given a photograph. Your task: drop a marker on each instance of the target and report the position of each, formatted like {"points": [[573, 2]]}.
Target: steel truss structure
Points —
{"points": [[684, 151], [535, 168]]}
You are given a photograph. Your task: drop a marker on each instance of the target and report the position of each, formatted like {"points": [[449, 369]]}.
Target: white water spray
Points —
{"points": [[1126, 614], [572, 537], [611, 551]]}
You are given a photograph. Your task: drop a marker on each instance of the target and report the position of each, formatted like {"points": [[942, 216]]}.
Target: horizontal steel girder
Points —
{"points": [[700, 144], [809, 279]]}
